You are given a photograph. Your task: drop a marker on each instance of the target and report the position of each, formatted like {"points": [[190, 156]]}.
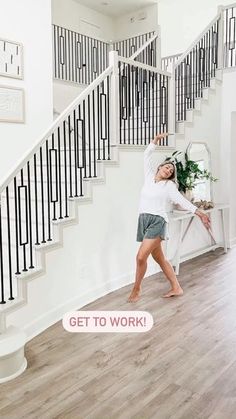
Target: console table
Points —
{"points": [[180, 218]]}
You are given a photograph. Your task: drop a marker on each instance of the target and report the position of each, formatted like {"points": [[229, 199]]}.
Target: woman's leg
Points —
{"points": [[159, 257], [146, 248]]}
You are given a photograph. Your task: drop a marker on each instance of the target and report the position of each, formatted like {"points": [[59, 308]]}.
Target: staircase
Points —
{"points": [[122, 108]]}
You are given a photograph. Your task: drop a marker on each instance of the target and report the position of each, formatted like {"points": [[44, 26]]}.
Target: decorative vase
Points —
{"points": [[188, 194]]}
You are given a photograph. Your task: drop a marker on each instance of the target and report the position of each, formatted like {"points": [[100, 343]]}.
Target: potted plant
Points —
{"points": [[188, 172]]}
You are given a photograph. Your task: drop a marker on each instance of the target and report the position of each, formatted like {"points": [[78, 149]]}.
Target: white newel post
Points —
{"points": [[221, 38], [114, 110]]}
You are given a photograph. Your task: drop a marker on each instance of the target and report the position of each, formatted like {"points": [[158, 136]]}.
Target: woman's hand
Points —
{"points": [[205, 219], [158, 137]]}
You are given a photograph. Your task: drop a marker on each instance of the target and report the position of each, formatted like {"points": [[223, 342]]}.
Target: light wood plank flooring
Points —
{"points": [[183, 368]]}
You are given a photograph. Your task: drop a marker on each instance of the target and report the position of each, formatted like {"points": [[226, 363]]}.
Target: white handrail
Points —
{"points": [[171, 56], [143, 66], [142, 48], [131, 37], [228, 6], [52, 128], [194, 43]]}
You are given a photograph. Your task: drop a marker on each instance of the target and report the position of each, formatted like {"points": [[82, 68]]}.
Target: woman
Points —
{"points": [[158, 189]]}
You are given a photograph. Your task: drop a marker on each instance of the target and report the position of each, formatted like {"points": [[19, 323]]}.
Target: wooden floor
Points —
{"points": [[183, 368]]}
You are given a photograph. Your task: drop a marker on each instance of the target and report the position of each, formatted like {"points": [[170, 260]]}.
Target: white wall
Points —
{"points": [[64, 93], [227, 149], [28, 22], [136, 23], [79, 18], [182, 22]]}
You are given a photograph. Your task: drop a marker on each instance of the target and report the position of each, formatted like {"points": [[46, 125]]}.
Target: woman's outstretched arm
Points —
{"points": [[149, 168], [177, 198]]}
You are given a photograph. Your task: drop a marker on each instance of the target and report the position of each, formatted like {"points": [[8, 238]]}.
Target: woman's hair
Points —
{"points": [[172, 177]]}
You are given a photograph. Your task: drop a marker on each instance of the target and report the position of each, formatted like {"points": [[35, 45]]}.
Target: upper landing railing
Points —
{"points": [[80, 59]]}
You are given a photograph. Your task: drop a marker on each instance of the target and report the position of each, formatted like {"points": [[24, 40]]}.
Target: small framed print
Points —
{"points": [[11, 59], [12, 104]]}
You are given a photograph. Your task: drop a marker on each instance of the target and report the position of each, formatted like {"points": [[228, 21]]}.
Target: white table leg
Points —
{"points": [[224, 229], [177, 258]]}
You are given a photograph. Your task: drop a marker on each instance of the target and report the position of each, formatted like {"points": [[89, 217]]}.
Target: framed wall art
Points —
{"points": [[11, 59], [12, 104]]}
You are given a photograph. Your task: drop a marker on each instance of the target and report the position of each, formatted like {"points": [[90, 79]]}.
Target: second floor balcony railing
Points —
{"points": [[80, 59]]}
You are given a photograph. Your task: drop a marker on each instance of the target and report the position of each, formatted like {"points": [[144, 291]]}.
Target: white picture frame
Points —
{"points": [[12, 104], [11, 59]]}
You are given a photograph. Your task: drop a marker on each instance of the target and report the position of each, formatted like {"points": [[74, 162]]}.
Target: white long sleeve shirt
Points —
{"points": [[156, 195]]}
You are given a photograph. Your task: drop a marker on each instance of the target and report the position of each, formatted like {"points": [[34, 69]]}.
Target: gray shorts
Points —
{"points": [[150, 227]]}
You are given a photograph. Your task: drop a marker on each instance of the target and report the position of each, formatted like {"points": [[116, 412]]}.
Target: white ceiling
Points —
{"points": [[116, 8]]}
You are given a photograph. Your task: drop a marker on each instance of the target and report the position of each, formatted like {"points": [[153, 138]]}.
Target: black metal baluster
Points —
{"points": [[66, 58], [69, 55], [9, 243], [86, 60], [23, 240], [103, 56], [128, 110], [58, 53], [94, 136], [53, 177], [1, 262], [137, 101], [65, 170], [208, 66], [98, 117], [73, 65], [226, 38], [153, 104], [141, 103], [70, 166], [120, 98], [89, 139], [83, 139], [52, 153], [156, 99], [80, 153], [124, 101], [132, 100], [54, 50], [108, 119], [48, 193], [100, 58], [59, 171], [166, 109], [75, 152], [30, 218], [145, 104], [36, 201], [149, 106], [42, 195]]}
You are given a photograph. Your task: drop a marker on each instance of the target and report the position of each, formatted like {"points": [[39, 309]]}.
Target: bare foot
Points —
{"points": [[134, 296], [174, 292]]}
